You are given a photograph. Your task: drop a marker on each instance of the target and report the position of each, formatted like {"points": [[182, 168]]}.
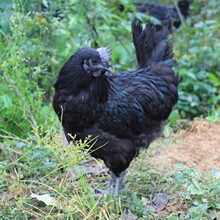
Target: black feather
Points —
{"points": [[151, 45]]}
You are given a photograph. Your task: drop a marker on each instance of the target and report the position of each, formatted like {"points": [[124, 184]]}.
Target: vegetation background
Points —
{"points": [[37, 37]]}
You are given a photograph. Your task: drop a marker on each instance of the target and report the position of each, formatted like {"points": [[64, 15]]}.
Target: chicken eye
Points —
{"points": [[94, 61]]}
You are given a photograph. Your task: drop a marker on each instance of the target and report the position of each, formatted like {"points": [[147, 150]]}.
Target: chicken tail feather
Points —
{"points": [[151, 45]]}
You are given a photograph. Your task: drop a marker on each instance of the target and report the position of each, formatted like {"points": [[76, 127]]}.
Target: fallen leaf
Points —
{"points": [[128, 215], [47, 199], [160, 200]]}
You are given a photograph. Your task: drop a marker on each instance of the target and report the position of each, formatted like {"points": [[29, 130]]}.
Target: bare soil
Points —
{"points": [[197, 147]]}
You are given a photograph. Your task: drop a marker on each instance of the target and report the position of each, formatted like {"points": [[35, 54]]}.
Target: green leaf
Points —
{"points": [[6, 102]]}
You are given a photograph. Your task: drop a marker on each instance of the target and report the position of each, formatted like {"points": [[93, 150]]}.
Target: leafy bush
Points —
{"points": [[24, 64], [197, 51]]}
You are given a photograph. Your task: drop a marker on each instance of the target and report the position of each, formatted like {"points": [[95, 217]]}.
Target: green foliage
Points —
{"points": [[197, 51], [201, 192], [23, 73]]}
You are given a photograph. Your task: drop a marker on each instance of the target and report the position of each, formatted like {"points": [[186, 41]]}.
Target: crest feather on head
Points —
{"points": [[104, 53]]}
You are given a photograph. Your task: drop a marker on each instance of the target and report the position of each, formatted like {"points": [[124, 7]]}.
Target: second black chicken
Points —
{"points": [[125, 110], [168, 15]]}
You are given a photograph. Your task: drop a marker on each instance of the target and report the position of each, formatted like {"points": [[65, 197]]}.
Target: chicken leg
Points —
{"points": [[115, 184]]}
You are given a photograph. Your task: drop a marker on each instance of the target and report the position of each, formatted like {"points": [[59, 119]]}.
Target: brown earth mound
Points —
{"points": [[197, 147]]}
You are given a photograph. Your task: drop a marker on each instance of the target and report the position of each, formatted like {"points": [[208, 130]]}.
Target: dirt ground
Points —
{"points": [[197, 147]]}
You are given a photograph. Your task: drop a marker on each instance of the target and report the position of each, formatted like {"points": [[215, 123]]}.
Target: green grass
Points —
{"points": [[42, 166]]}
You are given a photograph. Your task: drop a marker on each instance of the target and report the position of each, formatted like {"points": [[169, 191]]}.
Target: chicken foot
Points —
{"points": [[115, 184]]}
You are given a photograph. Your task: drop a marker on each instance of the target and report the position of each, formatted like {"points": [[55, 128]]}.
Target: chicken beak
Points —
{"points": [[101, 70]]}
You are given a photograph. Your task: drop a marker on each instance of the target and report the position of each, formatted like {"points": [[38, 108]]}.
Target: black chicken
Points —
{"points": [[168, 15], [126, 110]]}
